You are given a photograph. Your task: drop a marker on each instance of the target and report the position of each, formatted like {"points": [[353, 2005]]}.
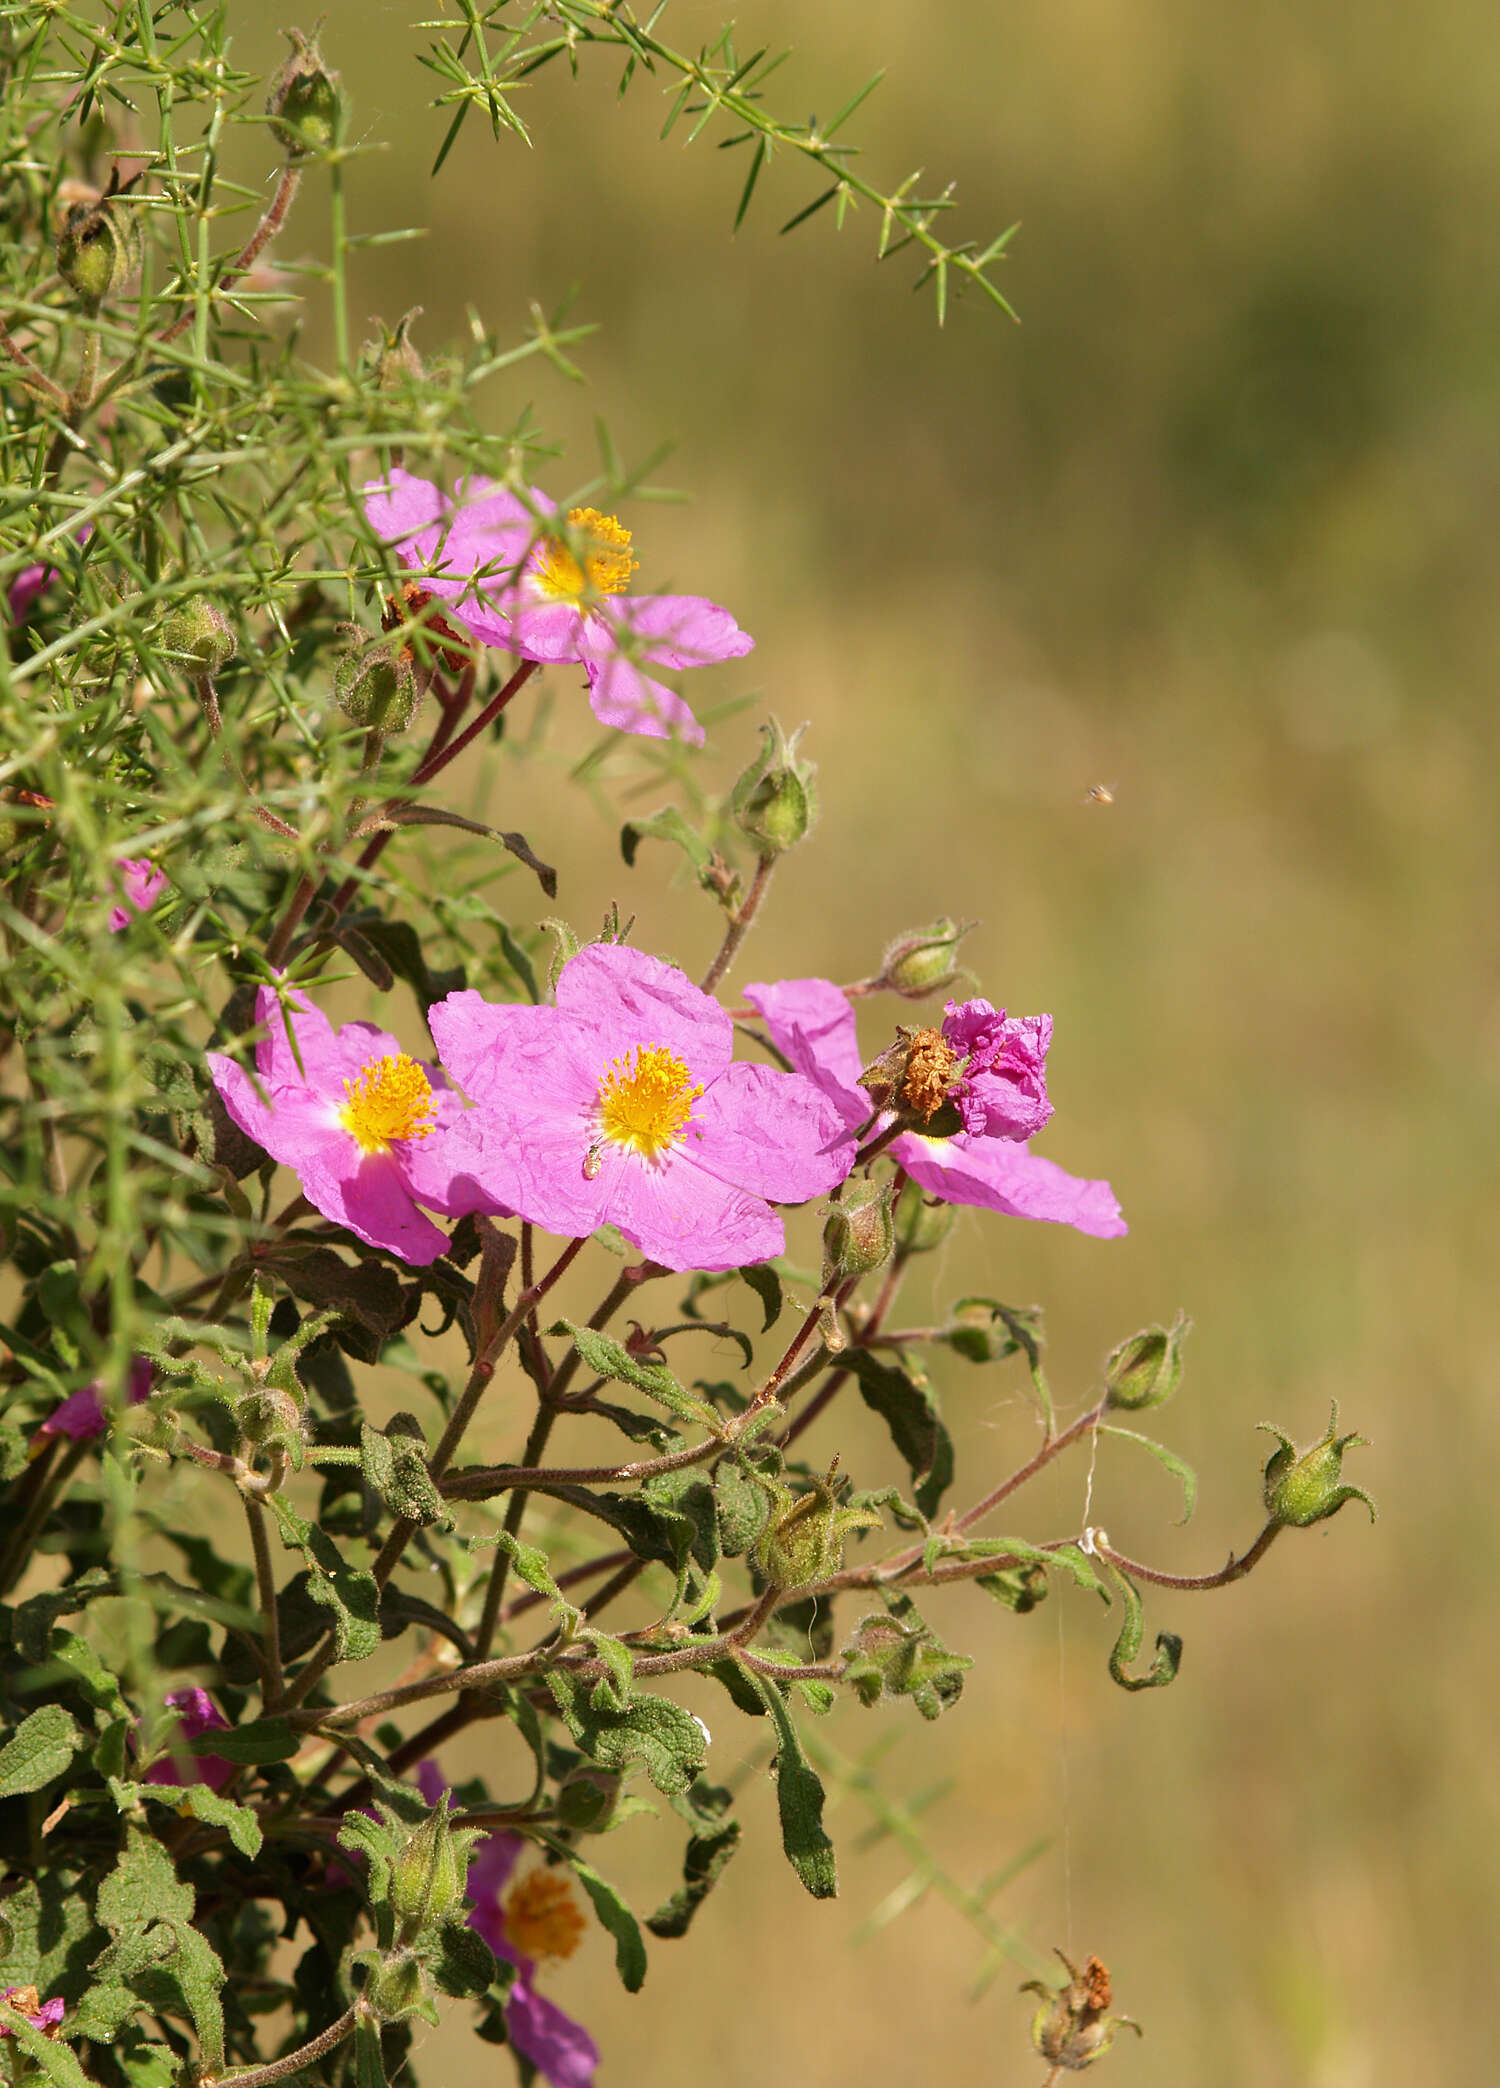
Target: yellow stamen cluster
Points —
{"points": [[607, 563], [646, 1105], [930, 1066], [542, 1918], [390, 1098]]}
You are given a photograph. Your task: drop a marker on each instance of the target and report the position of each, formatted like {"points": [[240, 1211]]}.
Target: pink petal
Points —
{"points": [[406, 511], [678, 630], [552, 632], [321, 1062], [489, 1048], [999, 1176], [775, 1134], [443, 1171], [812, 1024], [366, 1192], [686, 1219], [627, 997], [560, 2049], [621, 696]]}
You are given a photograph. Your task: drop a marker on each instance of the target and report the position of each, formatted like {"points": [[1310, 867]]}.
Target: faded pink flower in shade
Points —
{"points": [[83, 1414], [366, 1129], [31, 580], [143, 885], [197, 1713], [621, 1106], [539, 1919], [998, 1085], [553, 597], [42, 2015]]}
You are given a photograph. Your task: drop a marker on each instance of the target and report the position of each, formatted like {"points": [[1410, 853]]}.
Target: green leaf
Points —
{"points": [[31, 1623], [909, 1411], [651, 1730], [1168, 1656], [766, 1284], [40, 1750], [608, 1358], [209, 1806], [614, 1914], [104, 2011], [143, 1886], [395, 1468], [1169, 1459], [53, 1932], [369, 2061], [262, 1740], [899, 1655], [200, 1976], [464, 1965], [712, 873], [347, 1592], [799, 1799], [702, 1864]]}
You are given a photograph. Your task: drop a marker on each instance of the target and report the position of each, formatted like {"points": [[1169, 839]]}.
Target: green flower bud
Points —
{"points": [[859, 1233], [1146, 1370], [392, 360], [589, 1800], [804, 1541], [427, 1878], [199, 634], [376, 683], [305, 101], [775, 801], [922, 1222], [922, 961], [99, 249], [269, 1416], [1073, 2026], [1304, 1486], [398, 1988]]}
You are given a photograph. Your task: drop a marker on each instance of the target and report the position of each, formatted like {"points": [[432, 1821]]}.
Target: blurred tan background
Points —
{"points": [[1216, 527]]}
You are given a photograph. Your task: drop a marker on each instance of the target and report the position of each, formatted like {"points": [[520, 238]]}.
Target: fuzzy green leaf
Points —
{"points": [[910, 1412], [651, 1730], [39, 1751], [799, 1799]]}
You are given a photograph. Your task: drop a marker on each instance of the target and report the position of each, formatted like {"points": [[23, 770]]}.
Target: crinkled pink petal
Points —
{"points": [[367, 1192], [408, 512], [143, 885], [293, 1123], [812, 1024], [548, 631], [488, 1047], [560, 2049], [998, 1176], [621, 696], [775, 1134], [684, 1218], [443, 1172], [317, 1060], [676, 631], [83, 1414], [627, 997], [197, 1713], [1003, 1089]]}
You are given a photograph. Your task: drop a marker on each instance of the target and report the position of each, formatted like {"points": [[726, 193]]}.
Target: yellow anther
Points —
{"points": [[604, 543], [646, 1105], [389, 1098], [542, 1918]]}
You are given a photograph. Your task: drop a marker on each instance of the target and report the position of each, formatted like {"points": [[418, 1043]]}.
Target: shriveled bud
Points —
{"points": [[199, 634], [775, 801], [99, 249], [305, 101], [1304, 1486], [923, 960], [804, 1541], [376, 683], [859, 1233], [913, 1076], [1073, 2026], [427, 1878], [922, 1222], [1146, 1370], [393, 361]]}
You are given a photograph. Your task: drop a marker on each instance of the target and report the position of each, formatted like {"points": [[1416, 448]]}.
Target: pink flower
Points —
{"points": [[552, 597], [84, 1414], [991, 1067], [143, 884], [42, 2015], [197, 1713], [366, 1129], [538, 1920], [621, 1106], [30, 581]]}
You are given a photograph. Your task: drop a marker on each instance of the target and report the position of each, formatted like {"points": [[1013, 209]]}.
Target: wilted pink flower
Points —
{"points": [[555, 597], [197, 1713], [539, 1919], [42, 2015], [365, 1128], [620, 1106], [143, 885], [84, 1414], [991, 1067]]}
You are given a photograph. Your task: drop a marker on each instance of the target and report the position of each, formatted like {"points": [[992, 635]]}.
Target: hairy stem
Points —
{"points": [[741, 922], [273, 1679]]}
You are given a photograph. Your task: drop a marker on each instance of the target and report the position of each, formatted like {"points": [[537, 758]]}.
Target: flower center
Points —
{"points": [[930, 1066], [607, 564], [390, 1098], [646, 1105], [542, 1918]]}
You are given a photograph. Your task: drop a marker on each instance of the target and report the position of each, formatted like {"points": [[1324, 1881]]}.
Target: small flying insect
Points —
{"points": [[1100, 794]]}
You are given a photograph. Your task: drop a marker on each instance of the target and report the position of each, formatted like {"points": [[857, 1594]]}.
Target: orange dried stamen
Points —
{"points": [[542, 1919]]}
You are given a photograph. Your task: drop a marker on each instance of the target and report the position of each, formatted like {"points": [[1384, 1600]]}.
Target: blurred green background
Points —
{"points": [[1215, 527]]}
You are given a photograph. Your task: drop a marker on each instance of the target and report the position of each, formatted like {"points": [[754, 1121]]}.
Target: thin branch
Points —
{"points": [[740, 923], [294, 2063], [270, 224], [273, 1681], [1193, 1583]]}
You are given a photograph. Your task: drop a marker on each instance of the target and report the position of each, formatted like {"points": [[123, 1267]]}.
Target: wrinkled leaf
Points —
{"points": [[40, 1749], [799, 1799], [909, 1411]]}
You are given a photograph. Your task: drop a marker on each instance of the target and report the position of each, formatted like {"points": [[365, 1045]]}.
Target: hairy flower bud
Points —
{"points": [[1304, 1486], [804, 1541], [398, 1988], [922, 1222], [1073, 2026], [376, 683], [305, 100], [427, 1878], [199, 634], [922, 961], [393, 361], [859, 1233], [775, 800], [99, 249], [269, 1416], [1146, 1370]]}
